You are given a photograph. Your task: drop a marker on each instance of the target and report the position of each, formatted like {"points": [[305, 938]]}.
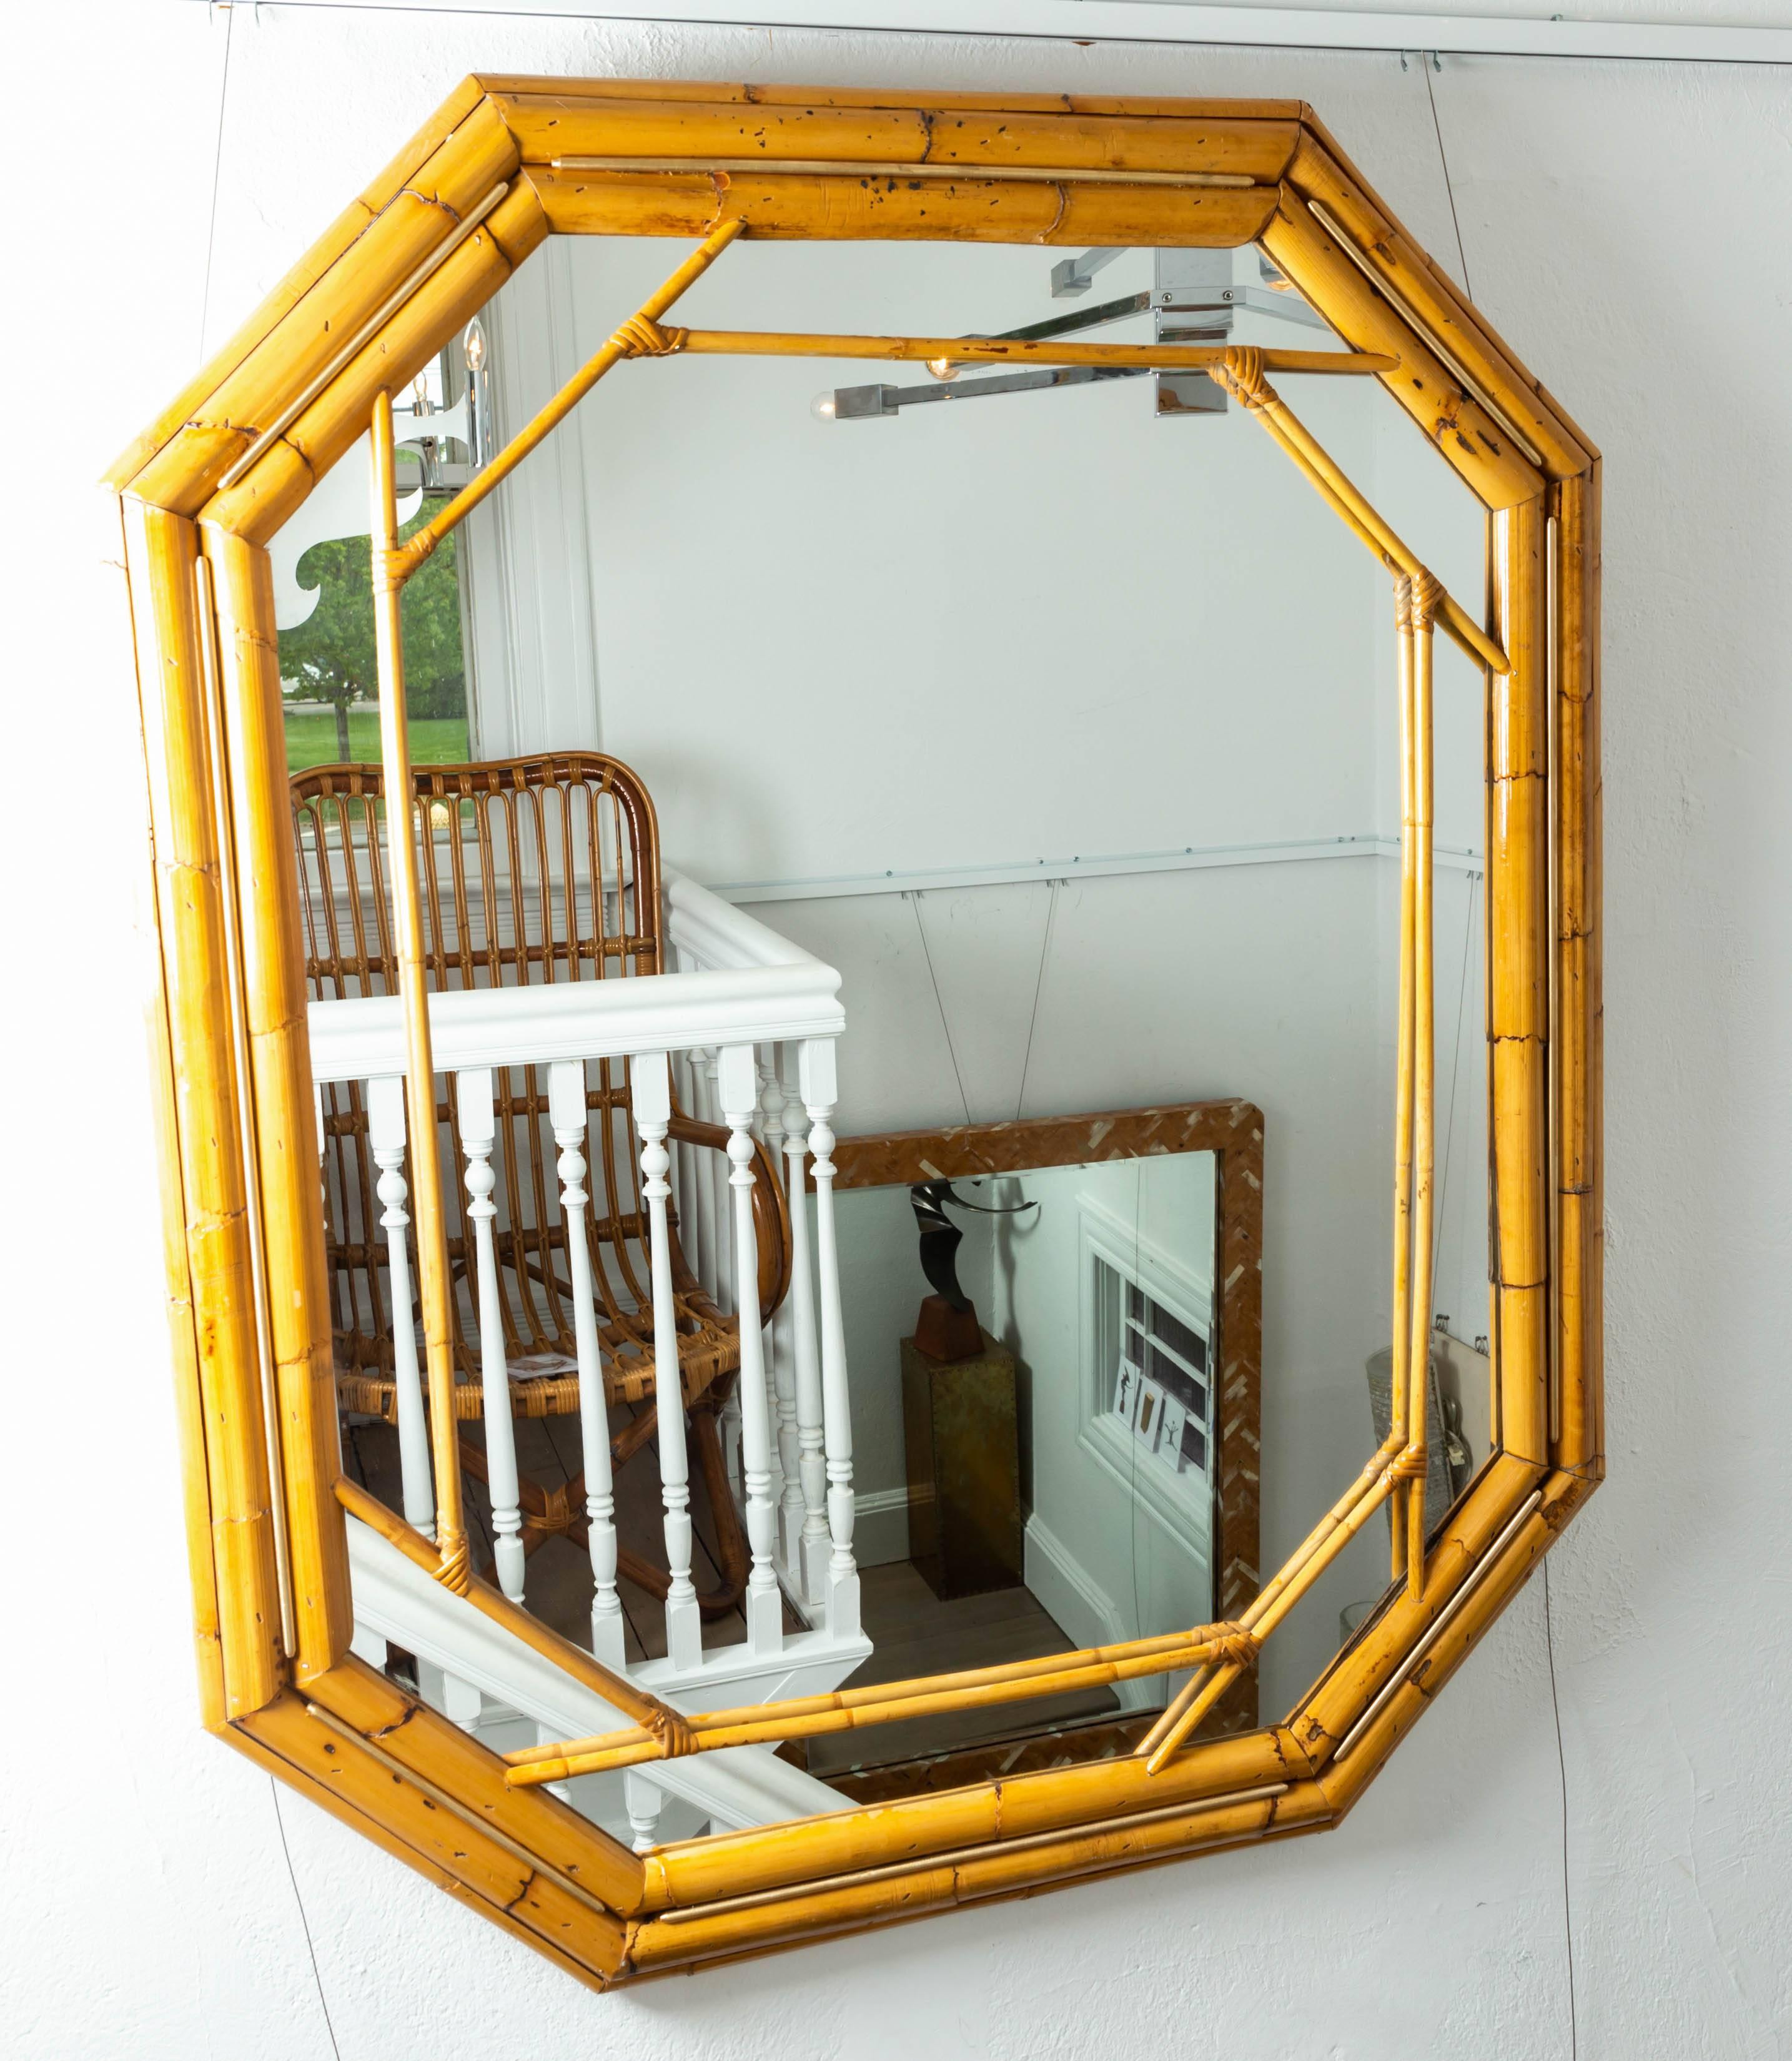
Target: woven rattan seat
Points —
{"points": [[534, 870]]}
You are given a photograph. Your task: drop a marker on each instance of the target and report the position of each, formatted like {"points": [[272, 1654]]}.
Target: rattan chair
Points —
{"points": [[534, 870]]}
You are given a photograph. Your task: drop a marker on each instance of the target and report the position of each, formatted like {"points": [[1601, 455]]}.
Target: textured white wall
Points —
{"points": [[1624, 226]]}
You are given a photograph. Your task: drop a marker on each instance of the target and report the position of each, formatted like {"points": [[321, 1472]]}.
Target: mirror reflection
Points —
{"points": [[1036, 1447], [1052, 708]]}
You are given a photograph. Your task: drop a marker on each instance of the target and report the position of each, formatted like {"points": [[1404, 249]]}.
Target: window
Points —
{"points": [[328, 679], [1160, 1380], [1148, 1409]]}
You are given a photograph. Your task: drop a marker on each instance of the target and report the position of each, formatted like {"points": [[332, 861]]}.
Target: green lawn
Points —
{"points": [[311, 738]]}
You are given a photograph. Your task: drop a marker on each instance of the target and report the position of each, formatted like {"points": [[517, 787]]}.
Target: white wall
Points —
{"points": [[1046, 625], [1623, 225]]}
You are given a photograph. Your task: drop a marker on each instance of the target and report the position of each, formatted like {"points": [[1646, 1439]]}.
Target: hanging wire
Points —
{"points": [[217, 170], [939, 1004], [1549, 1629], [1038, 987]]}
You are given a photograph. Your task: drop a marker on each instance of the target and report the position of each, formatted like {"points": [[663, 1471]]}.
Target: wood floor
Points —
{"points": [[911, 1630], [558, 1588]]}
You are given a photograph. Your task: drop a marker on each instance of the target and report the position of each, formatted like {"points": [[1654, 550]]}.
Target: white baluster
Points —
{"points": [[819, 1095], [723, 1286], [473, 1101], [781, 1347], [567, 1111], [680, 1176], [709, 1267], [652, 1113], [763, 1602], [811, 1462], [644, 1801], [385, 1136]]}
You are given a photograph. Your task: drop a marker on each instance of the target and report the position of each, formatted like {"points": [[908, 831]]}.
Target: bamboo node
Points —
{"points": [[642, 337], [1427, 599], [675, 1737], [455, 1570], [1240, 373], [1235, 1645]]}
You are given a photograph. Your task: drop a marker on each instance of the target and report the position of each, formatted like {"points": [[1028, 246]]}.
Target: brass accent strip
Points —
{"points": [[1040, 175]]}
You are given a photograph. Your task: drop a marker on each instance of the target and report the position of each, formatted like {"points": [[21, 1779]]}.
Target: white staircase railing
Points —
{"points": [[744, 1028]]}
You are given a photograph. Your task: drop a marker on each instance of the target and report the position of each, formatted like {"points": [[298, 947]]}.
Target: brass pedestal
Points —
{"points": [[961, 1434]]}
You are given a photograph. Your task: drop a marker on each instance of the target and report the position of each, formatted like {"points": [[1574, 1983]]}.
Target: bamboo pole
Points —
{"points": [[818, 207], [1240, 372], [1577, 950], [237, 1009], [846, 1699], [810, 1850], [637, 335], [282, 1164], [1424, 594], [434, 1285], [956, 1879], [1455, 424], [207, 1200], [1003, 350], [695, 1914], [857, 1709], [113, 545], [915, 136], [1520, 1029], [1399, 1385], [1202, 116], [666, 1725], [895, 169]]}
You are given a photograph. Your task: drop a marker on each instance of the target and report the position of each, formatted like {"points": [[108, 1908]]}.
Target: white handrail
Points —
{"points": [[362, 1038], [719, 933], [759, 988]]}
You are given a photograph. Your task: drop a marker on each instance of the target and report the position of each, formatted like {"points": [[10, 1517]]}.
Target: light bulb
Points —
{"points": [[823, 408], [943, 368], [474, 344]]}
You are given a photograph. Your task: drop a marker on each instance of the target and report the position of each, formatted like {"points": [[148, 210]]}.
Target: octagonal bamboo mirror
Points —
{"points": [[635, 1474]]}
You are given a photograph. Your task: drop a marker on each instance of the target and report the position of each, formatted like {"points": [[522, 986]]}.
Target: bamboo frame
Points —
{"points": [[233, 1076]]}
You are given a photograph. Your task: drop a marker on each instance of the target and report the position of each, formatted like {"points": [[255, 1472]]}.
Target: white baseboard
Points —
{"points": [[1084, 1612], [881, 1527]]}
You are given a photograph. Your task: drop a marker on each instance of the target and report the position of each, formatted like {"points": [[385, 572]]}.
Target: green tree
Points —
{"points": [[330, 657]]}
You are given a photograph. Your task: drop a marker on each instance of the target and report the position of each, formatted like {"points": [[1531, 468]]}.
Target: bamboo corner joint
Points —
{"points": [[504, 163]]}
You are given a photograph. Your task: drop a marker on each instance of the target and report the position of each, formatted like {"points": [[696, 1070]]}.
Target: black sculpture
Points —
{"points": [[947, 1328]]}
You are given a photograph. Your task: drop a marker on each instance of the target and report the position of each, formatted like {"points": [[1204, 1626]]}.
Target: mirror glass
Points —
{"points": [[1060, 714], [1056, 1473]]}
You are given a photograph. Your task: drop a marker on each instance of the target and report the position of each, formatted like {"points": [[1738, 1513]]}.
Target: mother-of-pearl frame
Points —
{"points": [[207, 484]]}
